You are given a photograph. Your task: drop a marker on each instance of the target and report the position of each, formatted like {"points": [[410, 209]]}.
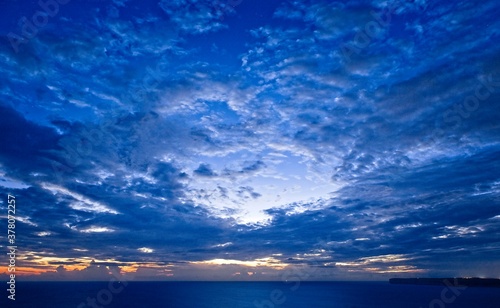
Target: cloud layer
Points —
{"points": [[204, 139]]}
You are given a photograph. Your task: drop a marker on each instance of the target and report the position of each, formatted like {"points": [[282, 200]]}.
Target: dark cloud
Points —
{"points": [[247, 192], [205, 170]]}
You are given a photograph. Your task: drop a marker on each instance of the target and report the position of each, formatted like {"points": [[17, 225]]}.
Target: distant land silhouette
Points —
{"points": [[456, 282]]}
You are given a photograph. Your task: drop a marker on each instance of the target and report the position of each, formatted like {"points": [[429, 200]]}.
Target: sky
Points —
{"points": [[251, 140]]}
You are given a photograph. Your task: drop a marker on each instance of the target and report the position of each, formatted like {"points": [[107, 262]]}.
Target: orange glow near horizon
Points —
{"points": [[38, 265], [22, 271], [262, 262]]}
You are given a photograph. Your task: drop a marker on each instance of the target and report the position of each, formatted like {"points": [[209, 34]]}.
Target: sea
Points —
{"points": [[138, 294]]}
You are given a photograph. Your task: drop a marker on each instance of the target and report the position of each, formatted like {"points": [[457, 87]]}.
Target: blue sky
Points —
{"points": [[247, 139]]}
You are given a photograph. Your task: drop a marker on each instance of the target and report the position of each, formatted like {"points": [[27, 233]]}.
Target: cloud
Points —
{"points": [[82, 204], [194, 16], [375, 162], [204, 170]]}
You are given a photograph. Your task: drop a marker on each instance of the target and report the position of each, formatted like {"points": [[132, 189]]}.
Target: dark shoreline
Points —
{"points": [[455, 282]]}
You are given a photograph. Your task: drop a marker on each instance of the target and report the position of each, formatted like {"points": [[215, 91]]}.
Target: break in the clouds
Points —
{"points": [[238, 139]]}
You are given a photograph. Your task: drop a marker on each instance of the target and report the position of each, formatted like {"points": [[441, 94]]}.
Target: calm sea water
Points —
{"points": [[247, 294]]}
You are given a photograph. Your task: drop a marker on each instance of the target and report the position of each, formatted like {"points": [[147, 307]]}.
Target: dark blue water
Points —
{"points": [[247, 294]]}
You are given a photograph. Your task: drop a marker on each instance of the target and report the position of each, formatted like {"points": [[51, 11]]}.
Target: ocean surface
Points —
{"points": [[247, 294]]}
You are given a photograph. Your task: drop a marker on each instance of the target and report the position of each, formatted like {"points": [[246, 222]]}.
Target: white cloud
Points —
{"points": [[83, 203]]}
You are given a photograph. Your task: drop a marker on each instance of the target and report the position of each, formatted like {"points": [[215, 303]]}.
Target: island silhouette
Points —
{"points": [[455, 282]]}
